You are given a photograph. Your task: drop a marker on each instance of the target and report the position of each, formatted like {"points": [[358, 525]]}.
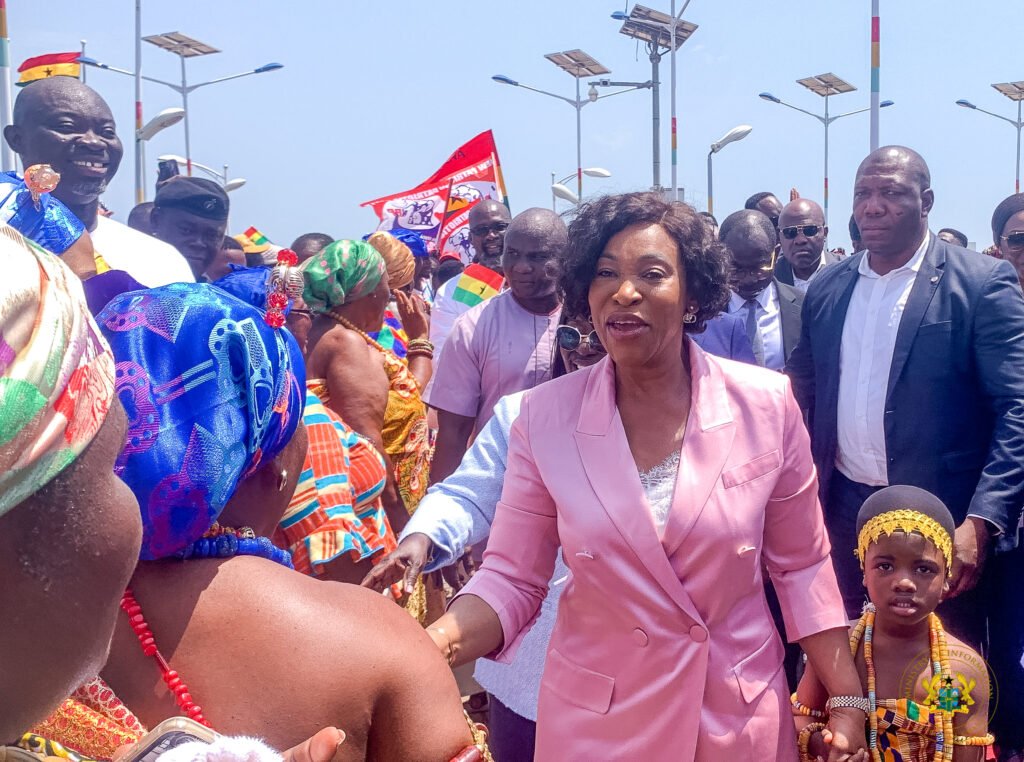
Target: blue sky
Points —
{"points": [[374, 96]]}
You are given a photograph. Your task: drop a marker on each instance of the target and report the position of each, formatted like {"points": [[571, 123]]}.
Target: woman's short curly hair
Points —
{"points": [[705, 262]]}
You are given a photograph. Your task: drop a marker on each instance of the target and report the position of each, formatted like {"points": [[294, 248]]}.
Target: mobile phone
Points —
{"points": [[168, 168], [166, 736]]}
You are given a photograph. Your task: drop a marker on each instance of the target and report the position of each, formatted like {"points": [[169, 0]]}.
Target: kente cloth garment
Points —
{"points": [[341, 273], [336, 507], [398, 259], [906, 731], [56, 372], [53, 226], [91, 724], [212, 393], [392, 336], [407, 442]]}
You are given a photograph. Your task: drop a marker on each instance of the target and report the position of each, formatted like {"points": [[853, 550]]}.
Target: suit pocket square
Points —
{"points": [[754, 469]]}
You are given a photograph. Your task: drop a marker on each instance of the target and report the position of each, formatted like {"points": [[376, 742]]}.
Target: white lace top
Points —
{"points": [[659, 485]]}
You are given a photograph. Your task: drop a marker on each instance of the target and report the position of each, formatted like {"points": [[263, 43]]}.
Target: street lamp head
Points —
{"points": [[235, 184], [768, 97], [268, 67], [166, 118], [965, 103], [620, 16], [592, 93], [172, 157], [564, 193], [597, 172], [502, 79], [736, 133], [886, 104]]}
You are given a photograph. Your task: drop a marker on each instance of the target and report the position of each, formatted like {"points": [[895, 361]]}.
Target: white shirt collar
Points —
{"points": [[765, 298], [914, 265]]}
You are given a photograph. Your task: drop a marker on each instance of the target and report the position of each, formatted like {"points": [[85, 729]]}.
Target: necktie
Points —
{"points": [[754, 331]]}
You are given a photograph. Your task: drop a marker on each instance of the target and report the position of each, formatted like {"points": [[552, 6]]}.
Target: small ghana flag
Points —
{"points": [[257, 238], [49, 65], [477, 284]]}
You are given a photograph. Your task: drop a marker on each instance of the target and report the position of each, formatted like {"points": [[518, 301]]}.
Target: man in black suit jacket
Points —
{"points": [[770, 310], [910, 367], [802, 233]]}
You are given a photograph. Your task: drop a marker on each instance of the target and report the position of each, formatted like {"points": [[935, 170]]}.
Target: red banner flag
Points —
{"points": [[438, 208]]}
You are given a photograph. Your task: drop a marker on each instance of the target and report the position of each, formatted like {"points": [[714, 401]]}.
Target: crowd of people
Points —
{"points": [[678, 490]]}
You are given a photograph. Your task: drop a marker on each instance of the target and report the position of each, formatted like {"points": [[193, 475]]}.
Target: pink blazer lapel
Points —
{"points": [[604, 451], [707, 442]]}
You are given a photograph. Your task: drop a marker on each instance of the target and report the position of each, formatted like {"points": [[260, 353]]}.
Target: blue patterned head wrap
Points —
{"points": [[49, 223], [212, 393]]}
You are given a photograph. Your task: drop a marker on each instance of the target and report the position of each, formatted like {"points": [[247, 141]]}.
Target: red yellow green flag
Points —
{"points": [[477, 284], [49, 65], [257, 238]]}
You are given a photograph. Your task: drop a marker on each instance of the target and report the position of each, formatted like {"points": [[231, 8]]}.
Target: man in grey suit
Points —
{"points": [[802, 234], [770, 310], [910, 367]]}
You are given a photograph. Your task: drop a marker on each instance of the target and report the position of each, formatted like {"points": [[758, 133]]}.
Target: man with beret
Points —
{"points": [[191, 214], [64, 123]]}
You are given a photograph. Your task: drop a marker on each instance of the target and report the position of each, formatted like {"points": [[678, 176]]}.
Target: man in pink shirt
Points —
{"points": [[503, 345]]}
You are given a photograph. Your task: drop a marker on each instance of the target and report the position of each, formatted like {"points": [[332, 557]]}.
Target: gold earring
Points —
{"points": [[690, 317]]}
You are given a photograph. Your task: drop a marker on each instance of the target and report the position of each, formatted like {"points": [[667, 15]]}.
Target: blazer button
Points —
{"points": [[640, 637], [698, 633]]}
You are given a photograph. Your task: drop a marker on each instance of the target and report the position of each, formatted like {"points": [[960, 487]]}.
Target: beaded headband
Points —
{"points": [[906, 521], [284, 285]]}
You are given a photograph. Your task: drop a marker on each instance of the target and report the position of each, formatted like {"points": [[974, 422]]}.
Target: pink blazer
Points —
{"points": [[663, 649]]}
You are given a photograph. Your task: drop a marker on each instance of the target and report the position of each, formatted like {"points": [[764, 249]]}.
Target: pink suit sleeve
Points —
{"points": [[522, 546], [796, 545]]}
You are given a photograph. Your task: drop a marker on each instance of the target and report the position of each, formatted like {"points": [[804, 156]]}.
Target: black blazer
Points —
{"points": [[784, 270], [791, 302], [954, 417]]}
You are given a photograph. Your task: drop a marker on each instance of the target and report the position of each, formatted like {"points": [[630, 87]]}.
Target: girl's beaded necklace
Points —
{"points": [[219, 542], [939, 657]]}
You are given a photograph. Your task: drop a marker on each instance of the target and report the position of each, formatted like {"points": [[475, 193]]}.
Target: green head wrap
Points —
{"points": [[341, 273]]}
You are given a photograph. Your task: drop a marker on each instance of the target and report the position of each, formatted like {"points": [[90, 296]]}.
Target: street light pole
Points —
{"points": [[1015, 92], [655, 118], [736, 133], [140, 176], [824, 85], [711, 203], [579, 138]]}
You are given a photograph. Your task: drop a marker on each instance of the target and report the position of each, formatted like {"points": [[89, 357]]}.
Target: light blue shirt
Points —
{"points": [[457, 513]]}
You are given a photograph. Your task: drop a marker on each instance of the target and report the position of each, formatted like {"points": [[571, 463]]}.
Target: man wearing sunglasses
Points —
{"points": [[770, 310], [802, 235], [910, 367]]}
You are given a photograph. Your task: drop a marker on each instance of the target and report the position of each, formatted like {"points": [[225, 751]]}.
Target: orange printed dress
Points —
{"points": [[405, 432], [336, 508]]}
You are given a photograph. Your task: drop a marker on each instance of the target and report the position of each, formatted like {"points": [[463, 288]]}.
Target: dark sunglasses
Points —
{"points": [[793, 231], [1015, 240], [569, 338], [484, 230]]}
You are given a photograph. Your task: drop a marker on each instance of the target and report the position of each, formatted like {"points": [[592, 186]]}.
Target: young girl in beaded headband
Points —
{"points": [[928, 692]]}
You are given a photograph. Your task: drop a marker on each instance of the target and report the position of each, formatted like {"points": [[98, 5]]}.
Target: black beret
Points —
{"points": [[203, 198]]}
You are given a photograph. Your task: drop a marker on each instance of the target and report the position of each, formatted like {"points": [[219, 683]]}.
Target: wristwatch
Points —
{"points": [[851, 702]]}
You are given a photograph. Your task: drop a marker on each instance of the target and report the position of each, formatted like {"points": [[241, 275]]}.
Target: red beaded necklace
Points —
{"points": [[175, 684]]}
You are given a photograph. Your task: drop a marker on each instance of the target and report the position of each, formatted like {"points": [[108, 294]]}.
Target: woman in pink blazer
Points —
{"points": [[669, 478]]}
